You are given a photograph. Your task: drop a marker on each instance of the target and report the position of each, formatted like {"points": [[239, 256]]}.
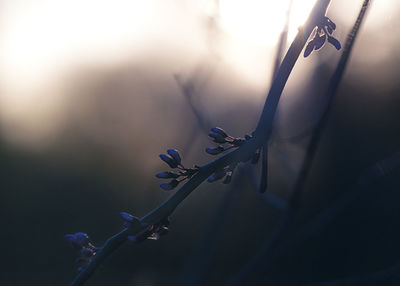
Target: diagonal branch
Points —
{"points": [[261, 135], [294, 201]]}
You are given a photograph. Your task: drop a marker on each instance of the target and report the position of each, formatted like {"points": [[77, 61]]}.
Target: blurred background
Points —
{"points": [[92, 91]]}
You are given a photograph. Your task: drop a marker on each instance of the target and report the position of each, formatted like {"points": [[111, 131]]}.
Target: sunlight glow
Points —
{"points": [[42, 36], [261, 21], [43, 42]]}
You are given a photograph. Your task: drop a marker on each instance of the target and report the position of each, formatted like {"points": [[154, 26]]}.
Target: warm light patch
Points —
{"points": [[41, 37], [261, 21]]}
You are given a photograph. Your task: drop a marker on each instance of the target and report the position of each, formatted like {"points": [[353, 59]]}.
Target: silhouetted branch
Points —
{"points": [[242, 153], [294, 200]]}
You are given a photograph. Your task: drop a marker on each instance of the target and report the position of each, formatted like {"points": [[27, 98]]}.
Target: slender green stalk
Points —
{"points": [[261, 135]]}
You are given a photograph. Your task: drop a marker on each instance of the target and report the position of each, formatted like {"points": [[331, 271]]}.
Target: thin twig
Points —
{"points": [[195, 270], [188, 90], [261, 135], [331, 91], [365, 183], [294, 201]]}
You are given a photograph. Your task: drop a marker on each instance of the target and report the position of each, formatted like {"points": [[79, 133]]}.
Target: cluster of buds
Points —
{"points": [[227, 142], [321, 33], [173, 159], [143, 231], [81, 242]]}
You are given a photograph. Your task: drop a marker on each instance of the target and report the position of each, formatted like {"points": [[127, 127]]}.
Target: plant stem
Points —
{"points": [[261, 135], [294, 201]]}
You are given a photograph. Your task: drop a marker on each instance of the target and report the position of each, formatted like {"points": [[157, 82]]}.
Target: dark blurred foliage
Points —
{"points": [[104, 159]]}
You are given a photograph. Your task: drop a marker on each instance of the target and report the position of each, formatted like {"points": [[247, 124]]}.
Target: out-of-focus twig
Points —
{"points": [[294, 201], [366, 182], [265, 257], [195, 270], [188, 90]]}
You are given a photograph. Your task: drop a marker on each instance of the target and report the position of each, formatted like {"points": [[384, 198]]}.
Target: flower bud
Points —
{"points": [[169, 186], [70, 238], [319, 41], [175, 155], [330, 24], [167, 175], [81, 238], [219, 131], [169, 160], [334, 42], [215, 151], [309, 48], [218, 138]]}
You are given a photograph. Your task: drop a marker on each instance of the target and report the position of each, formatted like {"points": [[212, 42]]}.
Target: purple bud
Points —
{"points": [[218, 175], [169, 160], [219, 131], [319, 41], [175, 155], [215, 151], [218, 138], [330, 24], [169, 186], [81, 238], [334, 42], [132, 238], [70, 238], [167, 175], [309, 48]]}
